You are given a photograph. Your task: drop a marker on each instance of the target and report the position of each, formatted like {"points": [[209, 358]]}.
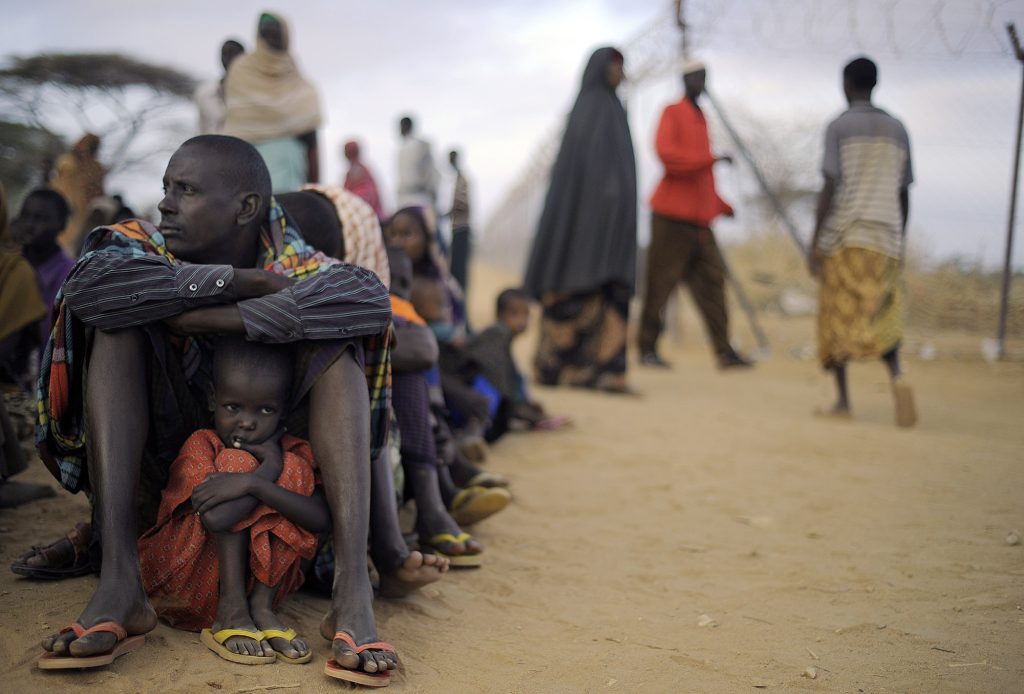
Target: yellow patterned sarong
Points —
{"points": [[860, 306]]}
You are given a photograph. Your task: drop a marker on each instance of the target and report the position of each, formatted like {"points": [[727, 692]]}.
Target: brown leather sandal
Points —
{"points": [[68, 557]]}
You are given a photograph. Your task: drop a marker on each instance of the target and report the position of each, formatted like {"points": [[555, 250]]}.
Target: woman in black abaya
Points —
{"points": [[582, 267]]}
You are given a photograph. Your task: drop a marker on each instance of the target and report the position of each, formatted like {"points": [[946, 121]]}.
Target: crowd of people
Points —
{"points": [[250, 390]]}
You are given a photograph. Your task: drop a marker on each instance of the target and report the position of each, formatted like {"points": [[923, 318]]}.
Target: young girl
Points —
{"points": [[241, 509]]}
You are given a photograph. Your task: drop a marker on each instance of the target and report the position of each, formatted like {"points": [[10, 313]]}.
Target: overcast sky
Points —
{"points": [[494, 77]]}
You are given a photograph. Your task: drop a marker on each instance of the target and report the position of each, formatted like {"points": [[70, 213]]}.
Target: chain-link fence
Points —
{"points": [[946, 69]]}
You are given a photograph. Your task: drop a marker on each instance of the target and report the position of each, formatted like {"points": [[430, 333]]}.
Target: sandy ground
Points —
{"points": [[875, 555]]}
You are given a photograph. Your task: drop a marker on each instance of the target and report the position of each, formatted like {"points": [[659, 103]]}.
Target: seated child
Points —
{"points": [[42, 217], [240, 510], [492, 350]]}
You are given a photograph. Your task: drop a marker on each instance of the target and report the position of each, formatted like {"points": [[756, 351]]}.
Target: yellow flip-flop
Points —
{"points": [[215, 642], [465, 561], [288, 635], [473, 504]]}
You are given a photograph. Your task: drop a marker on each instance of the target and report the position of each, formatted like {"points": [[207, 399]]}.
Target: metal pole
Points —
{"points": [[772, 198], [1004, 299]]}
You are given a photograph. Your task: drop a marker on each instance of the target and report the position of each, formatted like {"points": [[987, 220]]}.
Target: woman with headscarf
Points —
{"points": [[582, 266], [359, 179], [79, 178], [271, 105]]}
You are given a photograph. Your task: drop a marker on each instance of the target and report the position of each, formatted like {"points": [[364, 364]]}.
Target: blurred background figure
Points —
{"points": [[582, 267], [209, 96], [79, 178], [683, 246], [359, 179], [458, 215], [271, 105], [417, 175]]}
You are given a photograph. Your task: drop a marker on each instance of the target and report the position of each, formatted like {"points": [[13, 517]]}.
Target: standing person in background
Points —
{"points": [[462, 245], [417, 175], [79, 179], [582, 266], [271, 105], [359, 179], [859, 237], [683, 247], [209, 96]]}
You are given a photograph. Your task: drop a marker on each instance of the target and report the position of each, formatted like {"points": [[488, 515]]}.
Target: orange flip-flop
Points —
{"points": [[125, 644], [367, 679]]}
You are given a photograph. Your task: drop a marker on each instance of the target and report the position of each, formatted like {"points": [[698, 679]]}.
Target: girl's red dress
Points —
{"points": [[178, 557]]}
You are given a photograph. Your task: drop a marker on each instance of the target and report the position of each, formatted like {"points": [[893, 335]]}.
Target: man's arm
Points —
{"points": [[825, 198], [110, 292], [342, 302], [678, 159]]}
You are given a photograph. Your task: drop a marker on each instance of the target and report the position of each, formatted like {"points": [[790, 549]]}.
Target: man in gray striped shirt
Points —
{"points": [[139, 396], [857, 249]]}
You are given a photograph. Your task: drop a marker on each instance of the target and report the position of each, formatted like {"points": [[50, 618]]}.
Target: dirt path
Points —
{"points": [[876, 555]]}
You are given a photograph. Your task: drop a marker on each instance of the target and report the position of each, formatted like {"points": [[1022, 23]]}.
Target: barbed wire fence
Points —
{"points": [[948, 58]]}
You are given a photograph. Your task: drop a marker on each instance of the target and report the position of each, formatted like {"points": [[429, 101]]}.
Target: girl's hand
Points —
{"points": [[219, 487]]}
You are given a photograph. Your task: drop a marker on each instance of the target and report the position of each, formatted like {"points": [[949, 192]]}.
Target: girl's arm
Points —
{"points": [[224, 498], [309, 512]]}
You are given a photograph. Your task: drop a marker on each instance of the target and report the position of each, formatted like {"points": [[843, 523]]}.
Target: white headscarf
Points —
{"points": [[267, 97]]}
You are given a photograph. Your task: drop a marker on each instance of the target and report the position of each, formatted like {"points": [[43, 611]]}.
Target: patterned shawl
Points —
{"points": [[60, 427]]}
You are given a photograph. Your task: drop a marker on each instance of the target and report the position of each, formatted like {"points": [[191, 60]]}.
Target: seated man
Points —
{"points": [[142, 319]]}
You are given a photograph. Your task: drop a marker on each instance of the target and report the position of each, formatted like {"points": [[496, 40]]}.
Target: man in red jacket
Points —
{"points": [[683, 248]]}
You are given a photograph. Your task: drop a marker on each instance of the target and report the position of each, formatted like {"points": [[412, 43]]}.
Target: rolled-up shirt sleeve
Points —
{"points": [[110, 291], [344, 301]]}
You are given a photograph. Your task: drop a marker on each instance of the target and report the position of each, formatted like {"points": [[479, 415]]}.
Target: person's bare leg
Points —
{"points": [[401, 570], [339, 428], [432, 517], [232, 605], [842, 406], [117, 425], [891, 359]]}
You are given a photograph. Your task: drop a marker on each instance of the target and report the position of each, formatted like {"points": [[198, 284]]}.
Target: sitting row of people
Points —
{"points": [[282, 403]]}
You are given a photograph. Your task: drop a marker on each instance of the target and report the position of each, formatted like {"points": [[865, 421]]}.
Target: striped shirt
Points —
{"points": [[867, 153], [109, 291]]}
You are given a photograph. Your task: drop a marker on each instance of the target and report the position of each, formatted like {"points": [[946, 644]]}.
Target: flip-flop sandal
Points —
{"points": [[906, 412], [462, 561], [367, 679], [68, 557], [289, 636], [215, 642], [473, 504], [487, 479], [125, 644]]}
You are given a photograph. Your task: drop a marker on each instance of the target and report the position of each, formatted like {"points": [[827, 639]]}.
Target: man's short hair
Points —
{"points": [[861, 73], [508, 297], [60, 204], [234, 43], [239, 164], [406, 123]]}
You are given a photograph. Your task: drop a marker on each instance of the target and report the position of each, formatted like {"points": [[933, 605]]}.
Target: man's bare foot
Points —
{"points": [[416, 571], [837, 411], [355, 617], [114, 601], [261, 605]]}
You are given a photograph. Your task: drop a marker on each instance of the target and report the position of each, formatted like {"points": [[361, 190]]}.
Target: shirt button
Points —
{"points": [[134, 298], [193, 287], [219, 283]]}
